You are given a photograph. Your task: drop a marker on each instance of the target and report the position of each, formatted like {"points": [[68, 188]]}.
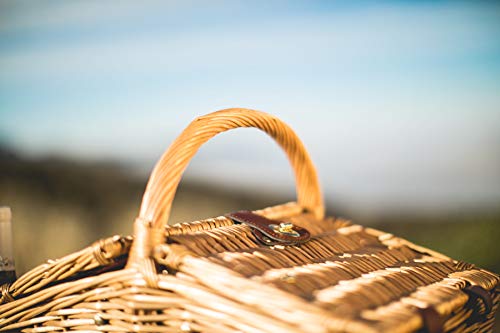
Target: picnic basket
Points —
{"points": [[285, 268]]}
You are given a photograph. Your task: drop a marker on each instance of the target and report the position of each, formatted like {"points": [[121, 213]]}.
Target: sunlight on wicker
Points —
{"points": [[215, 275]]}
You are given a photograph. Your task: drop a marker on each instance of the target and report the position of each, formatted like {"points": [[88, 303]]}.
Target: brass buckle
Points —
{"points": [[285, 228]]}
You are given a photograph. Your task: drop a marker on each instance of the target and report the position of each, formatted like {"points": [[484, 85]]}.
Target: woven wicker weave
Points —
{"points": [[214, 275]]}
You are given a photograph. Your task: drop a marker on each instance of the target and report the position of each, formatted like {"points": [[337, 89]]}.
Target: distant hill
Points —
{"points": [[60, 206]]}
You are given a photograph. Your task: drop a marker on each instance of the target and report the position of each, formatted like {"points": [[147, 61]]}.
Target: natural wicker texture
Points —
{"points": [[162, 185], [167, 173], [215, 276]]}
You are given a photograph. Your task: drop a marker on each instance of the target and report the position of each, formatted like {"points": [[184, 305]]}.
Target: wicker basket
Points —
{"points": [[285, 268]]}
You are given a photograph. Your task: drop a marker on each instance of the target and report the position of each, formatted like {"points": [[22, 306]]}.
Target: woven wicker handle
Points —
{"points": [[162, 185], [163, 182]]}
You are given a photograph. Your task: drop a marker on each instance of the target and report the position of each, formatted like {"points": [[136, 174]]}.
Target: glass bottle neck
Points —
{"points": [[7, 268]]}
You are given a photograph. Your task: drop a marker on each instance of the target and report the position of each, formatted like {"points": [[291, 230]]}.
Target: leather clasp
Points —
{"points": [[477, 292], [271, 232]]}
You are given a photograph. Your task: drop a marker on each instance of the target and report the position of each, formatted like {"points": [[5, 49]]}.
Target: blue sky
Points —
{"points": [[398, 102]]}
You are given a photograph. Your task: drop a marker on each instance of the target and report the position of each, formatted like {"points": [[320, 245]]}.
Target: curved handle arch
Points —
{"points": [[163, 182], [162, 185]]}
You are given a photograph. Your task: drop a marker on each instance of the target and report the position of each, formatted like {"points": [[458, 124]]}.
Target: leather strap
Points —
{"points": [[478, 292], [271, 232]]}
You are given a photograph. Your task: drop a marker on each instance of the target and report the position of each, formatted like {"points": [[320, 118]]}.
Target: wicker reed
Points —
{"points": [[214, 275]]}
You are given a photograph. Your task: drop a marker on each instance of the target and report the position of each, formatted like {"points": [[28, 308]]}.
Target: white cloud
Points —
{"points": [[366, 39], [21, 16], [390, 135]]}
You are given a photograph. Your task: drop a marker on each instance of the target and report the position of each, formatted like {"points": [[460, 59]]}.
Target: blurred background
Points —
{"points": [[398, 103]]}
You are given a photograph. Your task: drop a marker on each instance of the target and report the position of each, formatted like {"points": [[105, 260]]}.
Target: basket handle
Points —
{"points": [[163, 182]]}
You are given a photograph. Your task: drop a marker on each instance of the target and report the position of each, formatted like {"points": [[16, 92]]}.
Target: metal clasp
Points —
{"points": [[285, 228]]}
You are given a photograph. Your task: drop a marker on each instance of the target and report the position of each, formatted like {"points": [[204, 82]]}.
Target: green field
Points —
{"points": [[60, 207]]}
